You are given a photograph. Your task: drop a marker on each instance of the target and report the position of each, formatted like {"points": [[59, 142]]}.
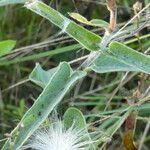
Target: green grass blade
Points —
{"points": [[142, 108], [59, 83], [111, 130], [86, 38], [41, 55], [7, 2], [130, 57]]}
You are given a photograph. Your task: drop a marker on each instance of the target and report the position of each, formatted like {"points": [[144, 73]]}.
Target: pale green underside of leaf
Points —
{"points": [[121, 58], [6, 46], [7, 2], [107, 63], [130, 57], [40, 76], [59, 83], [86, 38]]}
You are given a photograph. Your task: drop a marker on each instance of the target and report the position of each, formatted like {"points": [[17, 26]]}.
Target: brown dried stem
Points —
{"points": [[112, 7]]}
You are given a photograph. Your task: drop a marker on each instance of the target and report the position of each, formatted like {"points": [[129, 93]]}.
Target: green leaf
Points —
{"points": [[108, 63], [91, 42], [7, 2], [130, 57], [121, 58], [79, 18], [6, 47], [74, 117], [58, 85], [93, 22], [99, 23], [86, 38], [40, 76]]}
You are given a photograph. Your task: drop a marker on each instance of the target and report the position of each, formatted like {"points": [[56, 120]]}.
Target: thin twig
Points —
{"points": [[1, 100], [144, 135], [134, 17], [132, 33], [143, 101], [15, 85], [116, 90]]}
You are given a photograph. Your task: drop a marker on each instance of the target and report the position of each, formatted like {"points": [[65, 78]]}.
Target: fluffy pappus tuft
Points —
{"points": [[56, 137]]}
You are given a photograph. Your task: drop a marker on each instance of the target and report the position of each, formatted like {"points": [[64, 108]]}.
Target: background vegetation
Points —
{"points": [[97, 95]]}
